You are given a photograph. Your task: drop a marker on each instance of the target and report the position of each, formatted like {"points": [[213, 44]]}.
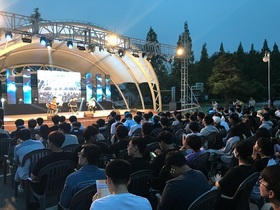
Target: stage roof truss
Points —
{"points": [[131, 66]]}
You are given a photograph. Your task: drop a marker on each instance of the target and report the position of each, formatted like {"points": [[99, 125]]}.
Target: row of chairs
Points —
{"points": [[141, 180]]}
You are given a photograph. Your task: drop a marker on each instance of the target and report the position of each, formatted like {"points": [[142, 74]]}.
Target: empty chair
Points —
{"points": [[141, 182], [104, 160], [122, 154], [8, 162], [240, 200], [210, 140], [219, 139], [70, 148], [4, 148], [150, 148], [82, 199], [201, 163], [31, 158], [52, 177], [178, 137], [137, 132], [206, 201]]}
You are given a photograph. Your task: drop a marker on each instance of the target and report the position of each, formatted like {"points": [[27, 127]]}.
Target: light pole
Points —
{"points": [[266, 58]]}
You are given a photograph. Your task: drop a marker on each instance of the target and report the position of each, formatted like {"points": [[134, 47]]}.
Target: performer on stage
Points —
{"points": [[91, 105], [73, 105], [53, 105]]}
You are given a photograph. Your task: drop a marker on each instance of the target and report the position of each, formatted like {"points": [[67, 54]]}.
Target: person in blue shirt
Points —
{"points": [[85, 176]]}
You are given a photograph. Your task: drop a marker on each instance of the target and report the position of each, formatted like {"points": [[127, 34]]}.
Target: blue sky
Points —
{"points": [[210, 21]]}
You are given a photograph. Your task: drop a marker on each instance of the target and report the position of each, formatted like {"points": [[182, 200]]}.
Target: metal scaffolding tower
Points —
{"points": [[188, 99]]}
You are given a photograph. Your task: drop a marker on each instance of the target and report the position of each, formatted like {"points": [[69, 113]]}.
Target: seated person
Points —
{"points": [[188, 184], [73, 105], [135, 149], [91, 105], [195, 144], [55, 141], [270, 185], [121, 144], [85, 176], [118, 178], [25, 145], [236, 175], [53, 105]]}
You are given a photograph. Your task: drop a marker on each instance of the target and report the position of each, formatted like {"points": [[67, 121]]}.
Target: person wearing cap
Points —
{"points": [[217, 123]]}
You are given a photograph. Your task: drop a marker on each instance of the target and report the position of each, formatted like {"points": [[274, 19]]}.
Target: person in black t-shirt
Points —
{"points": [[135, 149], [55, 141]]}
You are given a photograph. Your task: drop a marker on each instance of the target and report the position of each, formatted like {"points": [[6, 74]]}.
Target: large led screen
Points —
{"points": [[63, 85]]}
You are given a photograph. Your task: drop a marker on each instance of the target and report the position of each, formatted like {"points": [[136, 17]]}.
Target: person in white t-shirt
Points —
{"points": [[118, 178]]}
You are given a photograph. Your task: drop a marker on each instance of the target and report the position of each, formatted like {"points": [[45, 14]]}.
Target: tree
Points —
{"points": [[226, 78], [158, 62], [222, 50], [204, 67]]}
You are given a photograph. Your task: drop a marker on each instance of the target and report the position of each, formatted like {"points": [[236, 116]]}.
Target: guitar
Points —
{"points": [[52, 106]]}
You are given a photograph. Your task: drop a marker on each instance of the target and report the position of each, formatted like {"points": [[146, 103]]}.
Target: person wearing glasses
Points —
{"points": [[270, 185], [85, 176]]}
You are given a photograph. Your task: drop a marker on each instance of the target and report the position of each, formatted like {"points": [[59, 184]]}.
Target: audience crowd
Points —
{"points": [[238, 141]]}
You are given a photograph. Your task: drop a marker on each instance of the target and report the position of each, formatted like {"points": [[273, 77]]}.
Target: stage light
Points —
{"points": [[136, 55], [43, 41], [91, 49], [180, 51], [81, 46], [9, 36], [121, 52], [112, 40], [70, 44], [26, 39], [101, 49], [49, 44]]}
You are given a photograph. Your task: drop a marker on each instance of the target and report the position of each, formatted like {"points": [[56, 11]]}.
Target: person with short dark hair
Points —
{"points": [[123, 140], [265, 121], [31, 126], [165, 140], [43, 134], [55, 142], [186, 186], [118, 178], [195, 144], [40, 122], [25, 145], [55, 120], [103, 129], [113, 126], [19, 123], [208, 127], [135, 149], [62, 119], [85, 176], [69, 138], [137, 119], [270, 185]]}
